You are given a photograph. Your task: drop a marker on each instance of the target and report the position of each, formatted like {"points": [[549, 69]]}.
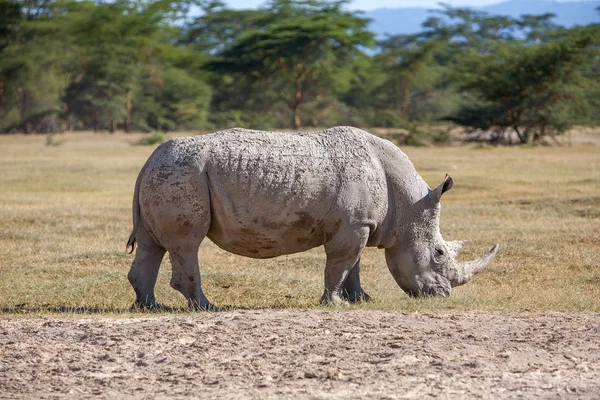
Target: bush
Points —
{"points": [[152, 138]]}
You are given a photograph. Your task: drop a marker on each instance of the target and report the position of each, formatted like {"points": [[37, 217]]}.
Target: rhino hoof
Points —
{"points": [[203, 306], [334, 301], [149, 306], [356, 297]]}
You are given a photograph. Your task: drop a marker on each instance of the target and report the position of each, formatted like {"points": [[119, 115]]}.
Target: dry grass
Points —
{"points": [[65, 214]]}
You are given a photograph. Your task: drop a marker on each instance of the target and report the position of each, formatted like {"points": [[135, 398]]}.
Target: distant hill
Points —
{"points": [[408, 20]]}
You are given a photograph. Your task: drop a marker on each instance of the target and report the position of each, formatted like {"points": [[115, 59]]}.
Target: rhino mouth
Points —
{"points": [[429, 291], [441, 288]]}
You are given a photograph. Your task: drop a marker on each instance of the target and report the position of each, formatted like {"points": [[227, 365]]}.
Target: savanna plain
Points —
{"points": [[528, 326]]}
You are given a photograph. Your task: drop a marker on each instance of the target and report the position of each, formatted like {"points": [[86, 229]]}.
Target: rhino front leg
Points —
{"points": [[352, 291], [185, 278], [343, 253], [335, 274]]}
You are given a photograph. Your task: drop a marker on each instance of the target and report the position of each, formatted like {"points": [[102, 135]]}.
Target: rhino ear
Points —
{"points": [[444, 187]]}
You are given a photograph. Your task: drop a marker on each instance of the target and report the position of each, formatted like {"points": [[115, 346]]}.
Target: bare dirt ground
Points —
{"points": [[303, 354]]}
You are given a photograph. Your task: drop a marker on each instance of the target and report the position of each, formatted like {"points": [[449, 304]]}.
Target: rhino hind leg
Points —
{"points": [[352, 291], [185, 278], [144, 270], [177, 208]]}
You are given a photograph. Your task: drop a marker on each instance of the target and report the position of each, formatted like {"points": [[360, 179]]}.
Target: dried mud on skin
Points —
{"points": [[302, 354]]}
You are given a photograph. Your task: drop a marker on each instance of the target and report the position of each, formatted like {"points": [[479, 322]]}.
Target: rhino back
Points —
{"points": [[289, 168]]}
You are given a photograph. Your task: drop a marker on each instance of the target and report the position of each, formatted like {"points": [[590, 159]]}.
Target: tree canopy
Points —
{"points": [[197, 64], [535, 91]]}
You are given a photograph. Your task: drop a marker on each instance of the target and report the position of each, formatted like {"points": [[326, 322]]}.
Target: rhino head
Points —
{"points": [[423, 263]]}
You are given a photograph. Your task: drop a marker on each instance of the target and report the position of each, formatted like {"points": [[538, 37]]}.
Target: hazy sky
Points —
{"points": [[372, 4]]}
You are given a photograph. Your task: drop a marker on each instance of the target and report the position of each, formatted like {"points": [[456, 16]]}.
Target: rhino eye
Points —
{"points": [[439, 252]]}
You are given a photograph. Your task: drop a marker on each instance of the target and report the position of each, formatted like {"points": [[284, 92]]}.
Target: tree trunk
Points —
{"points": [[113, 126], [521, 137], [2, 96], [297, 103], [23, 108], [539, 134], [297, 122], [129, 106], [96, 123], [404, 107]]}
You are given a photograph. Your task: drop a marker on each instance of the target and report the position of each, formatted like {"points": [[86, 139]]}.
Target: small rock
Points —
{"points": [[333, 374], [310, 375], [107, 358]]}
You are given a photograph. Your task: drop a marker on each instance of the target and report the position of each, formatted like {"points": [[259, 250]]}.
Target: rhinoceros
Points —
{"points": [[265, 194]]}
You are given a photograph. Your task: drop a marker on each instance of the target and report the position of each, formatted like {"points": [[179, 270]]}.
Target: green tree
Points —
{"points": [[300, 52], [411, 78], [463, 28], [208, 26], [130, 74], [535, 90], [115, 40]]}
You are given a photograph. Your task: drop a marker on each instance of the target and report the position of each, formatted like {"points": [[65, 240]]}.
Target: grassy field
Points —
{"points": [[65, 215]]}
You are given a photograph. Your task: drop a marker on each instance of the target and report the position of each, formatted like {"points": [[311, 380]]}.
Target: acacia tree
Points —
{"points": [[129, 74], [115, 41], [417, 67], [535, 90], [411, 76], [208, 26], [300, 51], [462, 28]]}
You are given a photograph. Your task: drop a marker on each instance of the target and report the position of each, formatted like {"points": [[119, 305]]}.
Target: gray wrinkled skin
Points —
{"points": [[265, 194]]}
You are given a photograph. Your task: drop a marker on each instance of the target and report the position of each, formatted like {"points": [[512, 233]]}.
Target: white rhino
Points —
{"points": [[265, 194]]}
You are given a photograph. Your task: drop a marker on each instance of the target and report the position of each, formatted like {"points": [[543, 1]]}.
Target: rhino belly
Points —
{"points": [[261, 220], [265, 236]]}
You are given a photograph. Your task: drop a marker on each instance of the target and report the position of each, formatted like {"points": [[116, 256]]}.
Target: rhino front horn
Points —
{"points": [[462, 272]]}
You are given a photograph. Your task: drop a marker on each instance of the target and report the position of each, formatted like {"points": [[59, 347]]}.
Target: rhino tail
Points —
{"points": [[135, 209], [131, 243]]}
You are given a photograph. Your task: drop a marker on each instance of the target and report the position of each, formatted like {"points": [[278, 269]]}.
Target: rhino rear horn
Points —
{"points": [[455, 247]]}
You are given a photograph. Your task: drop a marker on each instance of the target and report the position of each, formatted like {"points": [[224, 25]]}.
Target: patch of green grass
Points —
{"points": [[51, 140], [65, 215]]}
